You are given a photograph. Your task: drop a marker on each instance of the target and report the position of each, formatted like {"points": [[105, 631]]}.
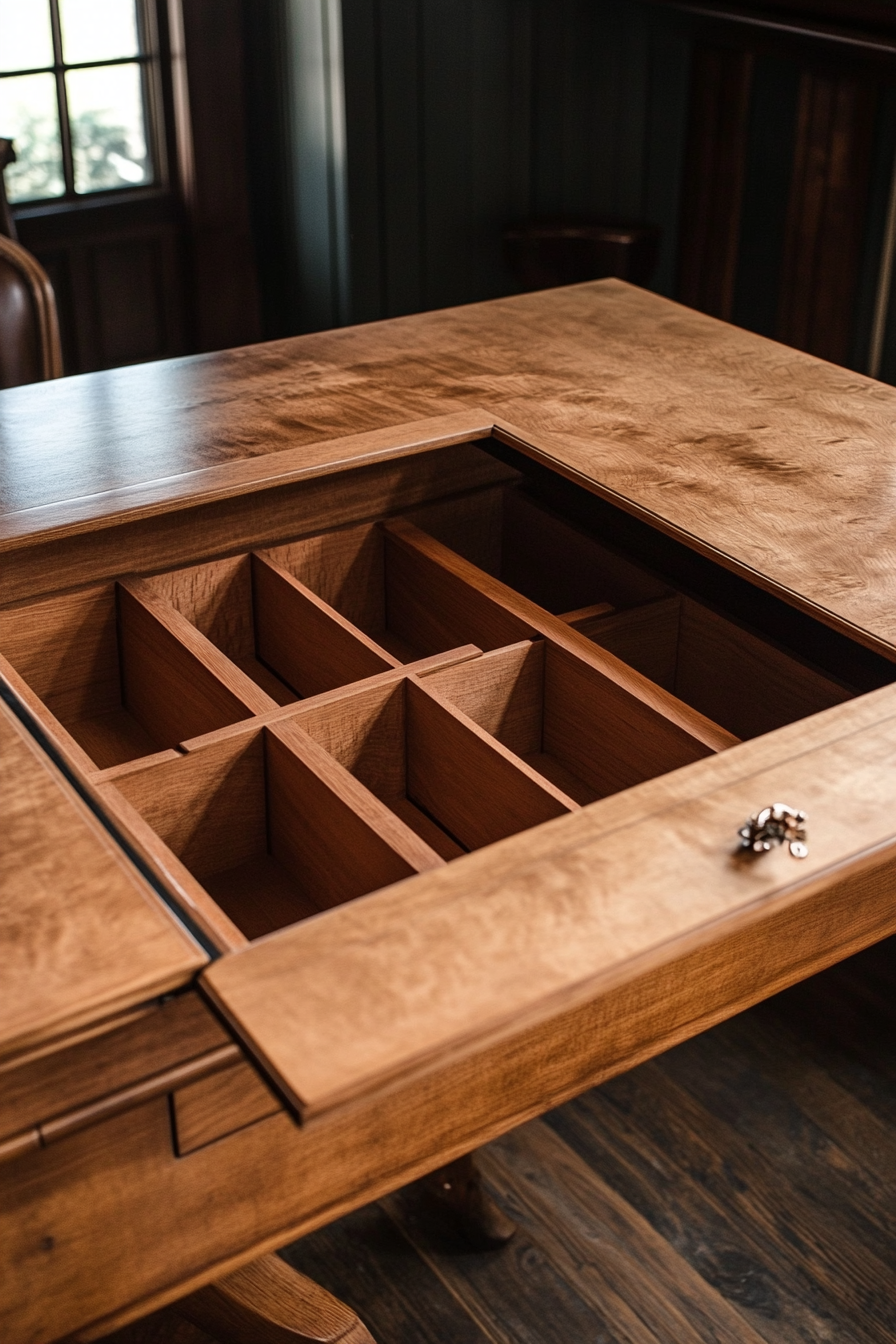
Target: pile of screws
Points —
{"points": [[775, 825]]}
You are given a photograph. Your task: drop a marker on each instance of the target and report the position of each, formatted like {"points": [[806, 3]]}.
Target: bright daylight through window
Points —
{"points": [[73, 97]]}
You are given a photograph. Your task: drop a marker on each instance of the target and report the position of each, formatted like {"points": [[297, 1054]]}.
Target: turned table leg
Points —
{"points": [[267, 1302], [456, 1193]]}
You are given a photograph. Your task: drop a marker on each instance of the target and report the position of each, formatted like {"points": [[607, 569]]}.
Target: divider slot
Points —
{"points": [[433, 767], [645, 637], [118, 676], [270, 626], [272, 828]]}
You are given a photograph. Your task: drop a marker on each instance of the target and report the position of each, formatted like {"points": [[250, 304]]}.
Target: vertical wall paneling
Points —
{"points": [[522, 107], [591, 64], [270, 165], [467, 141], [463, 116], [875, 261], [317, 103], [210, 86], [668, 86], [827, 212], [401, 130], [712, 192], [769, 164], [362, 61]]}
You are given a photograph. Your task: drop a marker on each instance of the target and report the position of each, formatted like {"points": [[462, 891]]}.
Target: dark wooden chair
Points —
{"points": [[29, 327]]}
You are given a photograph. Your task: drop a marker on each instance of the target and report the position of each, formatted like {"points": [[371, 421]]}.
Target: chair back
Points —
{"points": [[29, 326]]}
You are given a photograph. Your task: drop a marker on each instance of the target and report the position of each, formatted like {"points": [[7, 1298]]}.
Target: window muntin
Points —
{"points": [[74, 97]]}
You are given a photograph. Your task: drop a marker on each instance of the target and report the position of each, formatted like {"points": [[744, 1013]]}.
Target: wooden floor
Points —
{"points": [[740, 1188]]}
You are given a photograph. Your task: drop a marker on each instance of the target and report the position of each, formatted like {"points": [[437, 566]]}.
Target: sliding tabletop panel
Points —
{"points": [[82, 936], [636, 918]]}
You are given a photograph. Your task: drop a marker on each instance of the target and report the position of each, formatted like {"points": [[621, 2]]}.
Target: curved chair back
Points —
{"points": [[29, 328]]}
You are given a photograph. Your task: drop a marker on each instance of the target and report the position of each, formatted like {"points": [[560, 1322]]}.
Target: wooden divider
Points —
{"points": [[282, 635], [174, 680], [125, 675], [436, 600], [644, 637], [647, 730], [543, 703], [306, 642], [473, 786], [272, 827], [737, 678]]}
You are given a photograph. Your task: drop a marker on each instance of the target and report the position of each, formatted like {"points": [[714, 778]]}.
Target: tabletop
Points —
{"points": [[752, 450]]}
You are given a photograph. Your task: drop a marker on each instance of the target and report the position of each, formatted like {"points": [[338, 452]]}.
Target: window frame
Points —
{"points": [[148, 60]]}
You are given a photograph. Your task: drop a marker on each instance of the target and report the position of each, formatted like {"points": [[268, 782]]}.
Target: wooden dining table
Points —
{"points": [[403, 729]]}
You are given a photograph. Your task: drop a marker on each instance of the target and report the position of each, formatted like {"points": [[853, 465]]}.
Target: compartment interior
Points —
{"points": [[540, 704], [271, 626], [742, 681], [119, 680], [272, 839], [430, 767], [324, 771]]}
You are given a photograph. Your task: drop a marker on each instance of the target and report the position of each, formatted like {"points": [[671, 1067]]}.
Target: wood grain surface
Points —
{"points": [[82, 935], [348, 1157], [581, 901], [104, 1058], [764, 455]]}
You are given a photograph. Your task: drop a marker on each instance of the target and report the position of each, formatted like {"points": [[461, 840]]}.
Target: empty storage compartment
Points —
{"points": [[431, 765], [740, 680], [385, 592], [273, 627], [549, 560], [272, 828], [124, 678], [737, 678], [548, 707]]}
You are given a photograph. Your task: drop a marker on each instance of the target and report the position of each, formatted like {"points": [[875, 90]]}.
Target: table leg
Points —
{"points": [[267, 1302], [455, 1192]]}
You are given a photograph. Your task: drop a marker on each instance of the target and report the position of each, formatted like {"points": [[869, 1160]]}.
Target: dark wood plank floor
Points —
{"points": [[739, 1189]]}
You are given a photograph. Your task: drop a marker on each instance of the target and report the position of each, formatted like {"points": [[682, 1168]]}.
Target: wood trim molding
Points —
{"points": [[863, 27]]}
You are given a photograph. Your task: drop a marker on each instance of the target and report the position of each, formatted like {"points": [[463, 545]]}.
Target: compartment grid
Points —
{"points": [[305, 723]]}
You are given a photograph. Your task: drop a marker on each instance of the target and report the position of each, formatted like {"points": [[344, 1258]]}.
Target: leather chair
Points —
{"points": [[29, 326]]}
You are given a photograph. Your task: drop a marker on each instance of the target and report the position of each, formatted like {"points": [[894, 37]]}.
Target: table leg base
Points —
{"points": [[267, 1302], [456, 1194]]}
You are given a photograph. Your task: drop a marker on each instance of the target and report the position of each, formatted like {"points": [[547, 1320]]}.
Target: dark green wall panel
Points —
{"points": [[466, 115]]}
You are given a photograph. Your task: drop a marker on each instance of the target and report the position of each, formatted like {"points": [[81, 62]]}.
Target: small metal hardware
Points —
{"points": [[775, 825]]}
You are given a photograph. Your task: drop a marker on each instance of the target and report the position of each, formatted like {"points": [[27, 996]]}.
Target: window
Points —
{"points": [[75, 87]]}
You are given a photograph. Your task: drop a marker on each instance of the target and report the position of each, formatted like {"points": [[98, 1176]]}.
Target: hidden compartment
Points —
{"points": [[312, 719]]}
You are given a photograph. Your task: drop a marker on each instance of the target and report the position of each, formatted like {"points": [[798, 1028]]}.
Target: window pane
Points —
{"points": [[29, 116], [97, 30], [108, 128], [26, 41]]}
